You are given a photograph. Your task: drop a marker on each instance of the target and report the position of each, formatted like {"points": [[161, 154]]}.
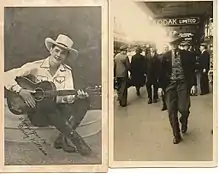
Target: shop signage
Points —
{"points": [[178, 21]]}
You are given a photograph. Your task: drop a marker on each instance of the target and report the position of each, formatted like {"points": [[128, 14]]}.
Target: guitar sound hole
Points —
{"points": [[39, 94]]}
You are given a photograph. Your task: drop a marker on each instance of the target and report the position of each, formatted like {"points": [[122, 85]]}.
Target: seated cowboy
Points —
{"points": [[69, 110]]}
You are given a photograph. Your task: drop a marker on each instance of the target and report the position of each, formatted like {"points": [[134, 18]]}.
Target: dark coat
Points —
{"points": [[205, 61], [152, 68], [188, 65], [138, 70]]}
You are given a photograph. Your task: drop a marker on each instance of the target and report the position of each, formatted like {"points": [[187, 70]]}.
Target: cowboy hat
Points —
{"points": [[62, 41]]}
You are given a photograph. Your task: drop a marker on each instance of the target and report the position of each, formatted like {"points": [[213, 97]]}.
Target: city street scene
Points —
{"points": [[163, 81]]}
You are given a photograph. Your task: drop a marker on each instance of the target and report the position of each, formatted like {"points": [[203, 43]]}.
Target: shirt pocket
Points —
{"points": [[59, 81], [41, 78]]}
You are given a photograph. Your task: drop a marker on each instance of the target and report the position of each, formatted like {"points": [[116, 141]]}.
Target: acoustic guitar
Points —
{"points": [[44, 94]]}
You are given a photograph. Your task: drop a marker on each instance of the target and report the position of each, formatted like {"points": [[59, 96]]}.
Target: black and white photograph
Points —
{"points": [[163, 84], [53, 106]]}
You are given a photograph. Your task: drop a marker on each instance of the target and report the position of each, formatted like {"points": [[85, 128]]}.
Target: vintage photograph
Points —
{"points": [[163, 82], [53, 107]]}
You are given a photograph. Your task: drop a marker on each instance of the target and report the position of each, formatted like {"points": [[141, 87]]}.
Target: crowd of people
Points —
{"points": [[174, 71]]}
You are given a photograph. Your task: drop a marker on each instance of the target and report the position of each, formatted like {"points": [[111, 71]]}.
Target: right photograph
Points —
{"points": [[163, 81]]}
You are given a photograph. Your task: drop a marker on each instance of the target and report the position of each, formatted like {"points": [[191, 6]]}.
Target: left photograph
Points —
{"points": [[52, 86]]}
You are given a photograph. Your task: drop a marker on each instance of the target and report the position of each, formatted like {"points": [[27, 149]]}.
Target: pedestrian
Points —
{"points": [[68, 111], [179, 77], [205, 66], [152, 72], [138, 70], [122, 67], [162, 83]]}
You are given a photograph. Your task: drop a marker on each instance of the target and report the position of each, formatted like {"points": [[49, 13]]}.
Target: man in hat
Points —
{"points": [[121, 68], [138, 70], [205, 66], [152, 72], [69, 111], [178, 77]]}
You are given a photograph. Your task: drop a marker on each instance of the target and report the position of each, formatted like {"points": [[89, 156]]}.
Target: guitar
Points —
{"points": [[44, 94]]}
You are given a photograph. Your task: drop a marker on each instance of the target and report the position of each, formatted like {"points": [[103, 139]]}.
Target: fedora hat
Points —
{"points": [[176, 38], [62, 41], [123, 48], [138, 49], [184, 43]]}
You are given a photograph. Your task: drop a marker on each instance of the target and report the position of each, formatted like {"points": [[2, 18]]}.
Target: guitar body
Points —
{"points": [[16, 103]]}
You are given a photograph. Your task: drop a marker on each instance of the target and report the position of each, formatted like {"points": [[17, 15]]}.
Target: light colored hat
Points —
{"points": [[176, 38], [62, 41]]}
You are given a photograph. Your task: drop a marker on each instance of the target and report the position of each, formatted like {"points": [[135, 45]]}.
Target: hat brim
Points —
{"points": [[49, 42], [176, 40]]}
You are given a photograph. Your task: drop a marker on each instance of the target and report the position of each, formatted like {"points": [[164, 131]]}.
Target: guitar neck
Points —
{"points": [[60, 93]]}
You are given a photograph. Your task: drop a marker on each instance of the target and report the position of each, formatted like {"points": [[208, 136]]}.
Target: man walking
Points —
{"points": [[138, 70], [179, 77], [121, 68], [152, 72]]}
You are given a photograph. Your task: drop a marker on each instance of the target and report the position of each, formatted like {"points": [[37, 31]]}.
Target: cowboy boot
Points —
{"points": [[65, 128], [62, 143]]}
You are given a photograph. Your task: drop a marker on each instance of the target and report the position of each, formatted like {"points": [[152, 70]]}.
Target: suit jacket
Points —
{"points": [[205, 61], [121, 65], [188, 65], [152, 67]]}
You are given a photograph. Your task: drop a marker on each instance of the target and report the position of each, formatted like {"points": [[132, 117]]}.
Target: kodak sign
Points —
{"points": [[178, 21]]}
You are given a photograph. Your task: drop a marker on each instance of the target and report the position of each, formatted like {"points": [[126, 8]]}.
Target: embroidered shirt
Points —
{"points": [[62, 79]]}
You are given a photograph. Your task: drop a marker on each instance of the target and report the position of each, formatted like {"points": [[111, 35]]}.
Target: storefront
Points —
{"points": [[187, 27]]}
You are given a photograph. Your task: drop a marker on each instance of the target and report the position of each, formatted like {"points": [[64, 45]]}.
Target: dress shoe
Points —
{"points": [[184, 128], [154, 100], [176, 140], [149, 101], [164, 108]]}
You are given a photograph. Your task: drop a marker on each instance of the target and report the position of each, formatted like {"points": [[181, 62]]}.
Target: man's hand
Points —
{"points": [[28, 98], [204, 70], [194, 90], [81, 94]]}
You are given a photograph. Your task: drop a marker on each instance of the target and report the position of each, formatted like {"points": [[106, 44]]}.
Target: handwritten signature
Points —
{"points": [[32, 135]]}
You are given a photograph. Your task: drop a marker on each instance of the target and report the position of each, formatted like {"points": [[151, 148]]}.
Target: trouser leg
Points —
{"points": [[149, 90], [183, 93], [171, 101], [155, 85], [74, 113]]}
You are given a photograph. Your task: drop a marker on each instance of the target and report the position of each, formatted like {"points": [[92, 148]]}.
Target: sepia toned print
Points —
{"points": [[164, 58], [53, 106]]}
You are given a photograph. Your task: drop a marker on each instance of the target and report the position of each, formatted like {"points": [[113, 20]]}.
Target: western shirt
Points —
{"points": [[39, 70]]}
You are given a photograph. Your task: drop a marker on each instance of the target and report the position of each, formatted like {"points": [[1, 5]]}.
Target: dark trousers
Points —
{"points": [[66, 118], [204, 83], [122, 90], [178, 100], [138, 89], [149, 90], [163, 98]]}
